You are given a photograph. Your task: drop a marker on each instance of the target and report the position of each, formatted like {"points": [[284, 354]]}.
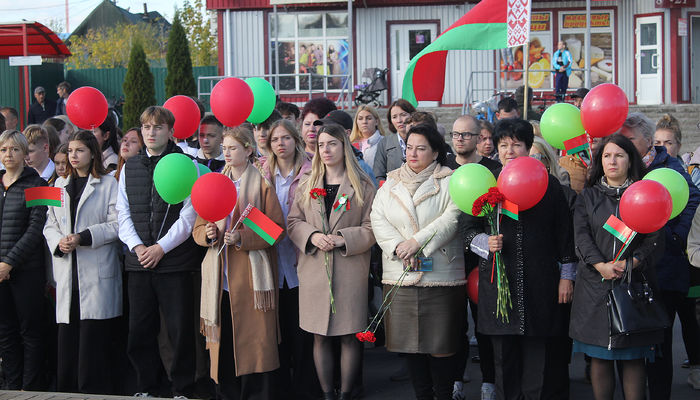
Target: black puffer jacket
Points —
{"points": [[589, 318], [21, 228]]}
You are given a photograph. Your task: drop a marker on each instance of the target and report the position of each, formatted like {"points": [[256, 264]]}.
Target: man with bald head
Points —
{"points": [[465, 135]]}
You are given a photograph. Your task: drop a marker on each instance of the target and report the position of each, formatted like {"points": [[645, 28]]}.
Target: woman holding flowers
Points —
{"points": [[615, 166], [532, 249], [329, 222], [413, 212], [239, 281]]}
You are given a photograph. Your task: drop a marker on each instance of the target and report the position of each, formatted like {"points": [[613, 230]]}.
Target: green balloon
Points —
{"points": [[676, 185], [264, 99], [174, 177], [203, 169], [469, 182], [560, 123]]}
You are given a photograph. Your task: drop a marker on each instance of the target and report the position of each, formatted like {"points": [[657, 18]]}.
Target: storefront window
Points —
{"points": [[573, 32], [315, 44]]}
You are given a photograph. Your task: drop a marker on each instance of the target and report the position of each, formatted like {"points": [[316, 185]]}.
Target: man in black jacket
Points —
{"points": [[43, 109], [161, 261]]}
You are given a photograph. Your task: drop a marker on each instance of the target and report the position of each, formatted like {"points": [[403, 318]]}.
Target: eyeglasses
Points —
{"points": [[464, 135]]}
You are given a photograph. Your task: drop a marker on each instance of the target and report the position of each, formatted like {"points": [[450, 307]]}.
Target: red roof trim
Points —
{"points": [[41, 41], [243, 5]]}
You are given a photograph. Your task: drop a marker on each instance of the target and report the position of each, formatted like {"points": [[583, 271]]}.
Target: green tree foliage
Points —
{"points": [[110, 47], [203, 43], [139, 86], [180, 79]]}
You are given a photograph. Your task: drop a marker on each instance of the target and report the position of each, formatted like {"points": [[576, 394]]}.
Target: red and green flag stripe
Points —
{"points": [[490, 25], [577, 144], [618, 229], [510, 209], [44, 196], [261, 224]]}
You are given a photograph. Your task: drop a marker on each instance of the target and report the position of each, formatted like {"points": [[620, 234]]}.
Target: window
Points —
{"points": [[573, 32], [310, 43]]}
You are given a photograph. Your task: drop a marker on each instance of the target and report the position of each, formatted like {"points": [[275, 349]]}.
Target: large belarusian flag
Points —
{"points": [[490, 25]]}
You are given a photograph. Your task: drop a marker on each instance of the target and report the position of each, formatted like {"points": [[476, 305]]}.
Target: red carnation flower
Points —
{"points": [[317, 193]]}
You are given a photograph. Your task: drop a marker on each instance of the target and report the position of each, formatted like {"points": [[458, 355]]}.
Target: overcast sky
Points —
{"points": [[45, 10]]}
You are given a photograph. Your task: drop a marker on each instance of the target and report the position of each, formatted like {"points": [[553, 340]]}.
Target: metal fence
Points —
{"points": [[205, 84]]}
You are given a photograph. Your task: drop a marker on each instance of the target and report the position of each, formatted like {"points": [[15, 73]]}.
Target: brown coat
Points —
{"points": [[255, 332], [349, 265]]}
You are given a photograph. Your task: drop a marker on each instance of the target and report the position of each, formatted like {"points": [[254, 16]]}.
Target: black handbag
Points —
{"points": [[632, 306]]}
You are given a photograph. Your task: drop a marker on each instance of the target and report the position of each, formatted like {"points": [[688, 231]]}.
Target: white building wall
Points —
{"points": [[371, 46], [246, 32]]}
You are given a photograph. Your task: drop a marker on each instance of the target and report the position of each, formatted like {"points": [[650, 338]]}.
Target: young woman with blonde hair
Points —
{"points": [[335, 236], [367, 131], [286, 163], [239, 284]]}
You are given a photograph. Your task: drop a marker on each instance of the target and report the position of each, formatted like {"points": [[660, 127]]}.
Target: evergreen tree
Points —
{"points": [[180, 79], [139, 86]]}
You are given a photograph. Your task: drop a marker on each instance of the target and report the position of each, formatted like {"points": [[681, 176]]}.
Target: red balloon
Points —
{"points": [[473, 285], [524, 182], [214, 196], [231, 101], [87, 107], [186, 113], [646, 206], [604, 110]]}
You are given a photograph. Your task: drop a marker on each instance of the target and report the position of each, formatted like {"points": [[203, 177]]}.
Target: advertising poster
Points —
{"points": [[602, 52]]}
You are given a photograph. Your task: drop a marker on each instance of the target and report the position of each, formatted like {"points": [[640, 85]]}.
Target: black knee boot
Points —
{"points": [[419, 371], [443, 372]]}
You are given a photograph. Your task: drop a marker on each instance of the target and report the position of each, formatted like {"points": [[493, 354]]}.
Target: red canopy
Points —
{"points": [[39, 40], [28, 38]]}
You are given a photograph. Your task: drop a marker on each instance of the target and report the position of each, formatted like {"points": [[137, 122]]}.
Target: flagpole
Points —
{"points": [[526, 64]]}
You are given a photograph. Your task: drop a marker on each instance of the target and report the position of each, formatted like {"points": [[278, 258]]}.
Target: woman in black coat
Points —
{"points": [[533, 248], [22, 268], [615, 167]]}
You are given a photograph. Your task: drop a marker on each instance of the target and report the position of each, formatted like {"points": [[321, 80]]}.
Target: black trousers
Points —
{"points": [[84, 349], [173, 293], [690, 328], [22, 342], [488, 369], [231, 387], [296, 378], [519, 364], [660, 372]]}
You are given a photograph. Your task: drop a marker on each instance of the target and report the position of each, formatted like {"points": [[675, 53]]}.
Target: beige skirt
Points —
{"points": [[426, 320]]}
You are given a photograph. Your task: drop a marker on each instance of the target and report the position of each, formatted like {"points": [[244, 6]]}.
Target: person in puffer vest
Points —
{"points": [[161, 261]]}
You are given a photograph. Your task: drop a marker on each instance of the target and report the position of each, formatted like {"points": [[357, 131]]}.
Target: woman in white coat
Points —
{"points": [[82, 237], [413, 209]]}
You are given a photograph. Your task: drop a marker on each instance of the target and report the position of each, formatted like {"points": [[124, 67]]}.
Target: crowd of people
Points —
{"points": [[364, 212]]}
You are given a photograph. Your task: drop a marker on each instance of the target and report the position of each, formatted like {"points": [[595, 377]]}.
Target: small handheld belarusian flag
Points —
{"points": [[510, 209], [577, 144], [260, 224], [44, 196], [618, 229], [621, 231]]}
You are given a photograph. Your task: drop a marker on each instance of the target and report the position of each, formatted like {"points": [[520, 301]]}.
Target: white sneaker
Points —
{"points": [[458, 391], [488, 391], [142, 394], [694, 378], [180, 397]]}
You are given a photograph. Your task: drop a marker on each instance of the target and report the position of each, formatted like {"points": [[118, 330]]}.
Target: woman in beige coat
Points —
{"points": [[341, 228], [239, 286]]}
